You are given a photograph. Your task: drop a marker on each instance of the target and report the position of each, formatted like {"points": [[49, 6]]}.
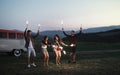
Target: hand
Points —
{"points": [[49, 45], [62, 29], [66, 45]]}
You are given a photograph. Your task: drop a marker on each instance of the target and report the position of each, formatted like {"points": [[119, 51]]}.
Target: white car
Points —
{"points": [[12, 42]]}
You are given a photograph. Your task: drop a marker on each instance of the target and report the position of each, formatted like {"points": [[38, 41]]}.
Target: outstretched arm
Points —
{"points": [[63, 44], [65, 33]]}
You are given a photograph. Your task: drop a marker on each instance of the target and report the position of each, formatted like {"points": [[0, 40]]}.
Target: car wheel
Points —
{"points": [[17, 52]]}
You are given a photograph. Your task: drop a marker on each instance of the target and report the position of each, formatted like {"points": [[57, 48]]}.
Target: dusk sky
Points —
{"points": [[49, 13]]}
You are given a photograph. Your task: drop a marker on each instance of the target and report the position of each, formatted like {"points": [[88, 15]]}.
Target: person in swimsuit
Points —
{"points": [[58, 47]]}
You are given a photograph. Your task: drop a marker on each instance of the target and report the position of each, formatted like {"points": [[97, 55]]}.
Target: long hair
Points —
{"points": [[59, 39], [28, 35], [44, 39]]}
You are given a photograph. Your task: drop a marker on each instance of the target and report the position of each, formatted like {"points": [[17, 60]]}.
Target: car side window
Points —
{"points": [[3, 35]]}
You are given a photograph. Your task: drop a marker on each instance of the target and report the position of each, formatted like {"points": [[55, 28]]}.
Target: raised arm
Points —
{"points": [[80, 32], [36, 34], [25, 33], [65, 33]]}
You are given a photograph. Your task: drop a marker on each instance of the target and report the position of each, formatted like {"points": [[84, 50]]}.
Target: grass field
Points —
{"points": [[96, 64], [89, 46], [87, 64]]}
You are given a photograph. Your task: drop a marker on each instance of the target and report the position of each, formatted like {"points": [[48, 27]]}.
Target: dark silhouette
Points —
{"points": [[72, 42]]}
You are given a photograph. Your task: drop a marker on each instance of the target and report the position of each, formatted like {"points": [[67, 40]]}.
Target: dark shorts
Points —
{"points": [[73, 49]]}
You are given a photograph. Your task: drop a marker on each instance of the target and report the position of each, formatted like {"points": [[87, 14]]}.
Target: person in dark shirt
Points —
{"points": [[72, 43]]}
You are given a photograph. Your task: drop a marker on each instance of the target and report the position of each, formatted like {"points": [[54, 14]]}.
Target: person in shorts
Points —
{"points": [[44, 47], [58, 48]]}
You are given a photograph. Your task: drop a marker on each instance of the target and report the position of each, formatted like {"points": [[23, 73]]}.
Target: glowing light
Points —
{"points": [[38, 26], [27, 22], [61, 22]]}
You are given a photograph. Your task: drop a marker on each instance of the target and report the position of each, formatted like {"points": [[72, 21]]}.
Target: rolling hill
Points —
{"points": [[98, 34], [110, 36], [101, 29], [89, 30]]}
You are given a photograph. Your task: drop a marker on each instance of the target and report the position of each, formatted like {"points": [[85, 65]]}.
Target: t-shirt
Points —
{"points": [[30, 44]]}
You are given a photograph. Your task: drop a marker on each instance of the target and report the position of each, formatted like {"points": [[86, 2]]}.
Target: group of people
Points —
{"points": [[57, 47]]}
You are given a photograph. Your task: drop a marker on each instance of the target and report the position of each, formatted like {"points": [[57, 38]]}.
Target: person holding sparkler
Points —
{"points": [[30, 45], [72, 40]]}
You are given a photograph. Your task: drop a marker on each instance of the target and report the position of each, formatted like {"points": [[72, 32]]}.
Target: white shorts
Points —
{"points": [[31, 51]]}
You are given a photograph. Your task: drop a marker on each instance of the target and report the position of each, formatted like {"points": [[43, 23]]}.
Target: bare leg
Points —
{"points": [[47, 58], [44, 54], [56, 53], [59, 56]]}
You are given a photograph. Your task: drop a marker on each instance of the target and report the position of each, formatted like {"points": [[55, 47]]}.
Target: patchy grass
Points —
{"points": [[97, 64]]}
